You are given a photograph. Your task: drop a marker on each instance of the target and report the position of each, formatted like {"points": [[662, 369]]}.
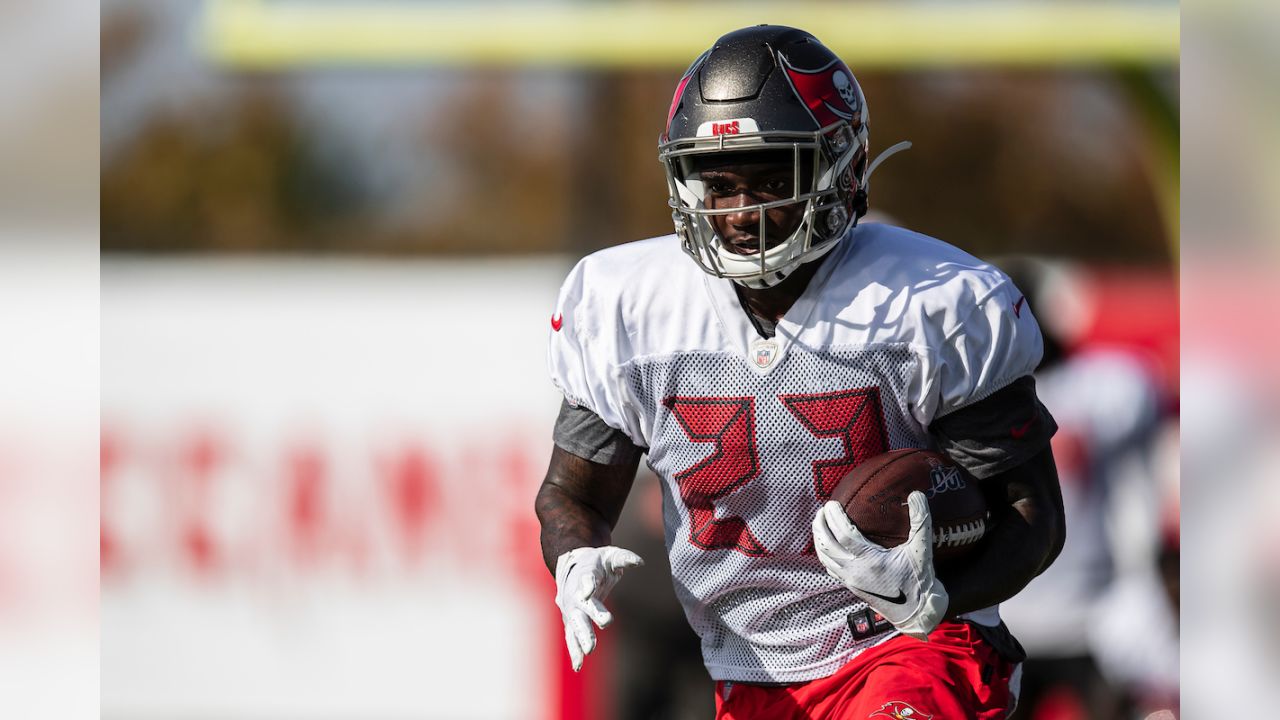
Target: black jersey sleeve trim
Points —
{"points": [[997, 433]]}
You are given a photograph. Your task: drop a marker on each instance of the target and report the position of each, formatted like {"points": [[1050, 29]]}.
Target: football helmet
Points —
{"points": [[768, 88]]}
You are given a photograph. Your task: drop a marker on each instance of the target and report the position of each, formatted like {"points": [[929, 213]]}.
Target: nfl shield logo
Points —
{"points": [[861, 624], [765, 353]]}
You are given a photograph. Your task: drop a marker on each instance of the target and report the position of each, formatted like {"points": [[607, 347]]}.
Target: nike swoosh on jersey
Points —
{"points": [[1019, 431]]}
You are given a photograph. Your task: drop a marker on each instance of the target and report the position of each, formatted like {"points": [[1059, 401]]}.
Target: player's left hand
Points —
{"points": [[899, 582]]}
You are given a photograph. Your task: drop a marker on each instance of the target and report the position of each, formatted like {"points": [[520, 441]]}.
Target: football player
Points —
{"points": [[756, 356]]}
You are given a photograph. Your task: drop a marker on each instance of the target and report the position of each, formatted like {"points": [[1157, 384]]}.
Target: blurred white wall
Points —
{"points": [[48, 503], [317, 488]]}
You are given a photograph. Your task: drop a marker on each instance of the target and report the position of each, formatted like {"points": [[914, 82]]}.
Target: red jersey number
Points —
{"points": [[730, 423], [855, 416]]}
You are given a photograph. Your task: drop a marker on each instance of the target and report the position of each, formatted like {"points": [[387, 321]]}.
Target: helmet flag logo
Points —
{"points": [[829, 96], [684, 82]]}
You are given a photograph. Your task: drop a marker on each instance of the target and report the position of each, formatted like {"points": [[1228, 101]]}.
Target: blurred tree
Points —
{"points": [[503, 183], [123, 34], [238, 178], [620, 188], [1050, 162], [1040, 162]]}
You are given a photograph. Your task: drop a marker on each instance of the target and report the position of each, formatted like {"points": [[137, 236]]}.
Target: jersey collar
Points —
{"points": [[763, 356]]}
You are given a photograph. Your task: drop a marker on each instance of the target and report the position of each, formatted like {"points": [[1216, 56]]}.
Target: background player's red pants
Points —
{"points": [[955, 675]]}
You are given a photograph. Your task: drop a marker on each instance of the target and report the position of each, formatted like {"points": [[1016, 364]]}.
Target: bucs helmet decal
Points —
{"points": [[684, 82], [829, 93]]}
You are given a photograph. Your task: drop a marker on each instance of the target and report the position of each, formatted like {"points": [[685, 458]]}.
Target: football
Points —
{"points": [[874, 496]]}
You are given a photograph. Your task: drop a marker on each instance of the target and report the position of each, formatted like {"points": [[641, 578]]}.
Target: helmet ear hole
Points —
{"points": [[834, 221]]}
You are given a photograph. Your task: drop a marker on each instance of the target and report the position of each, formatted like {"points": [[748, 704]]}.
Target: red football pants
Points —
{"points": [[955, 675]]}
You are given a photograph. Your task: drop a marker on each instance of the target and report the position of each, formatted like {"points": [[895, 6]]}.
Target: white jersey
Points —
{"points": [[749, 435]]}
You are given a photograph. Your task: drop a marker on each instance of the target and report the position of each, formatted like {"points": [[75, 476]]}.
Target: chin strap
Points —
{"points": [[761, 282], [888, 152]]}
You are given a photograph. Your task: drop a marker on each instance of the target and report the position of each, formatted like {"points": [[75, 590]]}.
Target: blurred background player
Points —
{"points": [[1108, 405], [796, 345]]}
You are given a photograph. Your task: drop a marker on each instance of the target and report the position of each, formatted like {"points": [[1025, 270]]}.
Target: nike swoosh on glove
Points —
{"points": [[584, 578], [899, 582]]}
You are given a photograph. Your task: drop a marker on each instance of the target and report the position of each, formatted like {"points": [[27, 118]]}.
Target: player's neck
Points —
{"points": [[774, 302]]}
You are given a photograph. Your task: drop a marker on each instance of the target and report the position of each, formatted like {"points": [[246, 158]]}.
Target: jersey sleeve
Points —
{"points": [[581, 432], [997, 433], [979, 400], [996, 342], [587, 349]]}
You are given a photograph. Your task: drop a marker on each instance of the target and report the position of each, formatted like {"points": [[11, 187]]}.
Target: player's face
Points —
{"points": [[742, 181]]}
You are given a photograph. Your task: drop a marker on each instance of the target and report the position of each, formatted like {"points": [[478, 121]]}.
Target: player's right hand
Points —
{"points": [[584, 578]]}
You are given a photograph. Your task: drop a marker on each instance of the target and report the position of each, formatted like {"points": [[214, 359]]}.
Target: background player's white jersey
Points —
{"points": [[750, 435]]}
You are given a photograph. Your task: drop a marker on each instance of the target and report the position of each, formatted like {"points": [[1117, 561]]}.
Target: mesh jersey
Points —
{"points": [[750, 435]]}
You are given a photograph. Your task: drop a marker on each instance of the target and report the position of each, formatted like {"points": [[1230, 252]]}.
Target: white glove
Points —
{"points": [[584, 578], [899, 582]]}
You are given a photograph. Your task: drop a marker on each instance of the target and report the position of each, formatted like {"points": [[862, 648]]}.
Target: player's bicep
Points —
{"points": [[1031, 487]]}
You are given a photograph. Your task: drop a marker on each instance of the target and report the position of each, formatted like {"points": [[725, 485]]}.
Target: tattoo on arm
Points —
{"points": [[580, 502]]}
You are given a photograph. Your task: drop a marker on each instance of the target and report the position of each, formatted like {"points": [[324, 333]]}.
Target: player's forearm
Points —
{"points": [[1023, 543], [1013, 555], [567, 523], [579, 502]]}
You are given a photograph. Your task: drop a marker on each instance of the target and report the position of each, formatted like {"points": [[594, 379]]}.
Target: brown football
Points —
{"points": [[874, 496]]}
